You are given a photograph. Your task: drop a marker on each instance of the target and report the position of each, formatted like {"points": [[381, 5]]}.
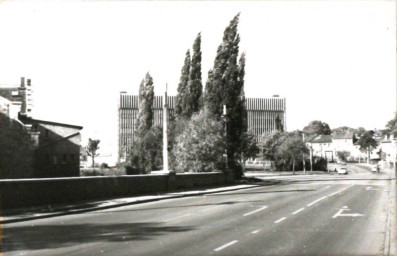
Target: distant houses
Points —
{"points": [[333, 146], [55, 146]]}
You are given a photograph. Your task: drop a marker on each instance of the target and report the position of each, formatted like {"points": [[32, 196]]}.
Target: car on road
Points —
{"points": [[342, 169], [375, 168]]}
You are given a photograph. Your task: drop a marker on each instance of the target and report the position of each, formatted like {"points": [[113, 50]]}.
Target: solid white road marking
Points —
{"points": [[317, 200], [341, 214], [255, 231], [297, 211], [280, 220], [257, 210], [225, 245]]}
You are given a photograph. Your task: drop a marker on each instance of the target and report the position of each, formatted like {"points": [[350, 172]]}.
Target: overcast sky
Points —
{"points": [[334, 61]]}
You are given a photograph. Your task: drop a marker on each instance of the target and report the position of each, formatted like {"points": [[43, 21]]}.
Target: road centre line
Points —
{"points": [[340, 190], [257, 210], [297, 211], [317, 200], [280, 220], [225, 245]]}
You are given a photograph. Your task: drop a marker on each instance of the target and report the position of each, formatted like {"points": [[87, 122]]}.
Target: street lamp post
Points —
{"points": [[165, 137], [224, 116]]}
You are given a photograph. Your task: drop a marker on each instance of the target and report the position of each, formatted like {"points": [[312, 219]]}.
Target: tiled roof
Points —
{"points": [[342, 135], [322, 139]]}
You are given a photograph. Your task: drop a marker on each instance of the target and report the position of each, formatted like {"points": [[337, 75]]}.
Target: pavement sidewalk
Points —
{"points": [[25, 214]]}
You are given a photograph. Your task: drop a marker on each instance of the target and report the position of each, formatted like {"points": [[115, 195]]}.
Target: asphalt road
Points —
{"points": [[315, 215]]}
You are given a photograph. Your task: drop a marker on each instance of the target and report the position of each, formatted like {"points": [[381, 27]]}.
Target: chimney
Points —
{"points": [[22, 92], [22, 82]]}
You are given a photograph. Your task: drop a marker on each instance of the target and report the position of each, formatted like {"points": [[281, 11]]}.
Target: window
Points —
{"points": [[47, 156], [64, 159], [46, 133], [55, 159], [71, 157]]}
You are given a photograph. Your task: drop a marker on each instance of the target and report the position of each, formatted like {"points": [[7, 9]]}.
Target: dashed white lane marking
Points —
{"points": [[280, 220], [225, 245], [318, 200], [340, 190], [181, 216], [297, 211], [327, 186], [255, 231], [257, 210]]}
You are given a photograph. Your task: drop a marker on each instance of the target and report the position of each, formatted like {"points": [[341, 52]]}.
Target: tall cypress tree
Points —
{"points": [[145, 111], [225, 86], [195, 86], [182, 86]]}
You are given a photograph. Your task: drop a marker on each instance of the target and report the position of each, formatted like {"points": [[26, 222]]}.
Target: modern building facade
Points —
{"points": [[264, 115]]}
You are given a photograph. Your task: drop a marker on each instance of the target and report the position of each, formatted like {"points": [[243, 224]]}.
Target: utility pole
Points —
{"points": [[303, 155], [165, 137]]}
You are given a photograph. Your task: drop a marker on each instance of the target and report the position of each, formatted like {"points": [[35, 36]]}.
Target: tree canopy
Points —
{"points": [[367, 142], [317, 127], [285, 149], [200, 146], [92, 148]]}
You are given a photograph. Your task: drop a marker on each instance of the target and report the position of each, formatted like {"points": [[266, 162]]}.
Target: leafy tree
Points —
{"points": [[16, 148], [367, 142], [392, 125], [146, 154], [182, 92], [195, 86], [343, 155], [200, 146], [225, 86], [145, 112], [285, 149], [92, 148], [295, 148], [317, 127], [249, 146], [360, 131]]}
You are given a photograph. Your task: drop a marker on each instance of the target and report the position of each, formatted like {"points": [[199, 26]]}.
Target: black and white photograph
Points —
{"points": [[216, 127]]}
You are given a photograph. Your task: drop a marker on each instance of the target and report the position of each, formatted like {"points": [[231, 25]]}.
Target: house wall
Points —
{"points": [[57, 154]]}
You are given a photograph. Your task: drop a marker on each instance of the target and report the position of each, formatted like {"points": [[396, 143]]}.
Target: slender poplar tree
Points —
{"points": [[182, 86], [225, 86], [195, 86], [145, 111]]}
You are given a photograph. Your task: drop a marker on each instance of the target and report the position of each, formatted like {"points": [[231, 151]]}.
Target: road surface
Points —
{"points": [[306, 215]]}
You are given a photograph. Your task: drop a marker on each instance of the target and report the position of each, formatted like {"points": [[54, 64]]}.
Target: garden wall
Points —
{"points": [[33, 192]]}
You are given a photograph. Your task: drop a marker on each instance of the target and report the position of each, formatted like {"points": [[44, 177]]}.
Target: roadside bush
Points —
{"points": [[199, 148], [102, 172]]}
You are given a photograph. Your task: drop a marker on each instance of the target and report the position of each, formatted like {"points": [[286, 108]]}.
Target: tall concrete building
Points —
{"points": [[263, 116]]}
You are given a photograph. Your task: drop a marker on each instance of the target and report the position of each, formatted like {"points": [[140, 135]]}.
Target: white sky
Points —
{"points": [[333, 60]]}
